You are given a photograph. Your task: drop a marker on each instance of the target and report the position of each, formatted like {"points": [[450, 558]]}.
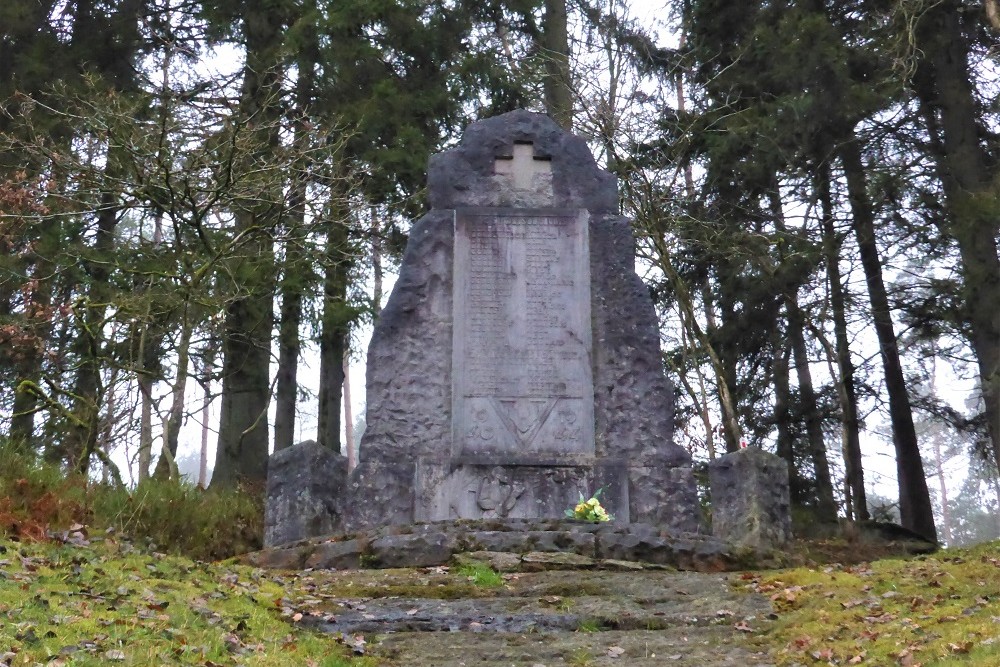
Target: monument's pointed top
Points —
{"points": [[523, 160]]}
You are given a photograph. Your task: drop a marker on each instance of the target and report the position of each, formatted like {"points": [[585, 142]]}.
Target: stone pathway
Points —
{"points": [[587, 618]]}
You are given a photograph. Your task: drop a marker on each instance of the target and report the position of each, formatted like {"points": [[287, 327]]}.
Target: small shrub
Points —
{"points": [[35, 496], [180, 518], [177, 517]]}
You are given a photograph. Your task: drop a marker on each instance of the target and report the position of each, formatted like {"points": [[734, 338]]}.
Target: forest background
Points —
{"points": [[813, 186]]}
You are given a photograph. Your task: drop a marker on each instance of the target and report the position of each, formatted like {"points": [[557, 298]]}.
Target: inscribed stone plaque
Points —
{"points": [[523, 389]]}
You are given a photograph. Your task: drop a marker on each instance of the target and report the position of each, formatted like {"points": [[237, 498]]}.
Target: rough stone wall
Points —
{"points": [[408, 378], [633, 398], [409, 358]]}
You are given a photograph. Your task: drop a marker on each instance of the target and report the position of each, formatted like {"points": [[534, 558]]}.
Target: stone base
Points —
{"points": [[665, 496], [484, 491], [309, 493], [529, 542], [383, 494]]}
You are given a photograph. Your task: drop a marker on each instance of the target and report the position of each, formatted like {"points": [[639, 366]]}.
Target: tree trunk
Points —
{"points": [[108, 426], [292, 283], [206, 402], [348, 415], [62, 346], [37, 314], [558, 83], [916, 512], [846, 389], [333, 335], [90, 313], [968, 175], [783, 415], [145, 427], [242, 450], [725, 344], [175, 418], [286, 392], [826, 507]]}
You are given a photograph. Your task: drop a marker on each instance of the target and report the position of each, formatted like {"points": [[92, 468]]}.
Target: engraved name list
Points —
{"points": [[522, 382]]}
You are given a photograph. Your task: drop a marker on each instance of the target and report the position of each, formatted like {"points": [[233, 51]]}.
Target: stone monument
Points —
{"points": [[517, 364]]}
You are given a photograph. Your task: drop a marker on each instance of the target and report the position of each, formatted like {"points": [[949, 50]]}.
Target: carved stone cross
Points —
{"points": [[523, 166]]}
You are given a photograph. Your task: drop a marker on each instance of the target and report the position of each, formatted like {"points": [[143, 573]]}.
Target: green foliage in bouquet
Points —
{"points": [[590, 509]]}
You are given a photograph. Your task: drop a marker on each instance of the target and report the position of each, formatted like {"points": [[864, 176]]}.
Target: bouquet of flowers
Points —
{"points": [[590, 509]]}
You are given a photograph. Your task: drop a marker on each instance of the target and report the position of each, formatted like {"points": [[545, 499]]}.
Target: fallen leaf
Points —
{"points": [[357, 643], [964, 647]]}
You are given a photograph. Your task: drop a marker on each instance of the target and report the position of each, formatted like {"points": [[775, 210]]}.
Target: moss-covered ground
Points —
{"points": [[107, 603], [942, 610], [100, 600]]}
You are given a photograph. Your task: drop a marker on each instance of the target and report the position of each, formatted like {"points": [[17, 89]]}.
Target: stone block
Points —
{"points": [[289, 558], [305, 483], [750, 499], [501, 561], [665, 496], [539, 561], [627, 546], [580, 542], [416, 550], [345, 555]]}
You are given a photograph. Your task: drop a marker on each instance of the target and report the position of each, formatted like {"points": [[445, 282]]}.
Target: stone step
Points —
{"points": [[596, 545], [641, 618]]}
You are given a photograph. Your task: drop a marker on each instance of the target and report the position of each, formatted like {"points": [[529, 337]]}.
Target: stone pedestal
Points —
{"points": [[750, 499], [305, 485]]}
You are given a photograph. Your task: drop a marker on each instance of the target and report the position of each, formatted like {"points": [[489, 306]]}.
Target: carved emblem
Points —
{"points": [[498, 493], [524, 417], [481, 428], [567, 429]]}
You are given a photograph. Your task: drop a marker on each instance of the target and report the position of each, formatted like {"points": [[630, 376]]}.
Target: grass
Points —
{"points": [[109, 603], [480, 574], [939, 610], [580, 658], [589, 625]]}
